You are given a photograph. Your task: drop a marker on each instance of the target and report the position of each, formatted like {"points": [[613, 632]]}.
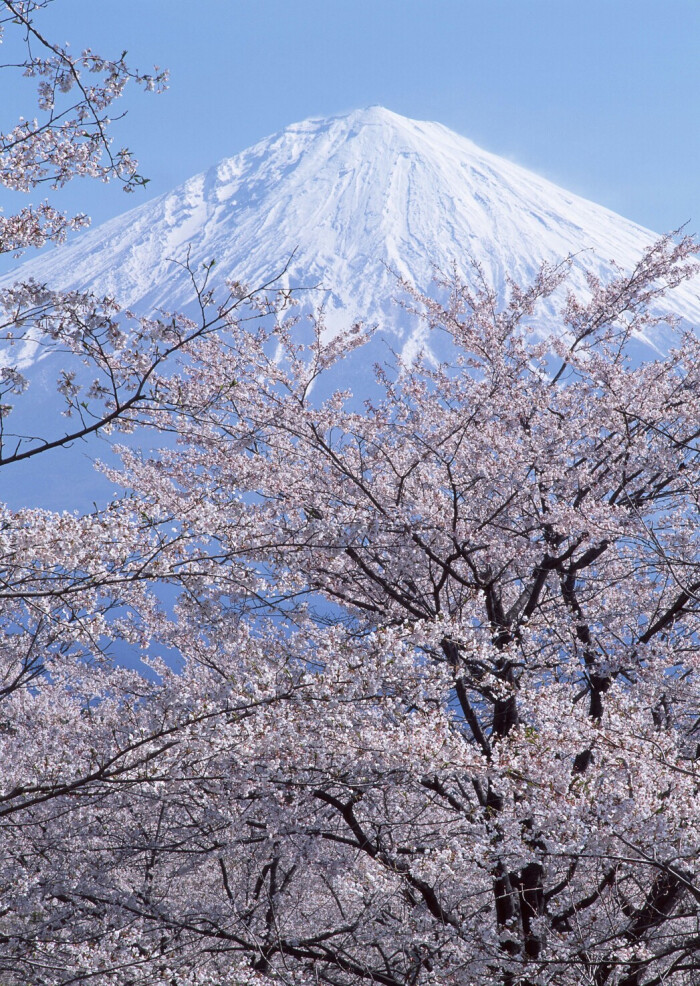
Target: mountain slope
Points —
{"points": [[351, 199]]}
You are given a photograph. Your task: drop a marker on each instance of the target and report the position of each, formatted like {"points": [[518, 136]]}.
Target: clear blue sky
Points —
{"points": [[601, 96]]}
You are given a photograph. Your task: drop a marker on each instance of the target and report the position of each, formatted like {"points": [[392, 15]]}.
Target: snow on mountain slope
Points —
{"points": [[353, 198]]}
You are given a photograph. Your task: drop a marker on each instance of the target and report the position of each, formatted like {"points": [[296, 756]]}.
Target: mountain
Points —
{"points": [[352, 200]]}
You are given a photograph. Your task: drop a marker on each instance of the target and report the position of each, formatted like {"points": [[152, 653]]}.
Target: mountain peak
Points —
{"points": [[376, 128], [374, 115]]}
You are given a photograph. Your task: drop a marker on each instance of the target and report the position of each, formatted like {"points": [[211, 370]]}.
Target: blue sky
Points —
{"points": [[602, 97]]}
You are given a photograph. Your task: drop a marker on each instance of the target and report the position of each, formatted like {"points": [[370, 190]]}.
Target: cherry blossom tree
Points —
{"points": [[419, 697], [437, 720]]}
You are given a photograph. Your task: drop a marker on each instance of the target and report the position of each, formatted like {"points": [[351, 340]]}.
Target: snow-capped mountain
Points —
{"points": [[353, 200]]}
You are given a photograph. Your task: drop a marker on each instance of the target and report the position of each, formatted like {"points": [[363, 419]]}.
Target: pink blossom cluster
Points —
{"points": [[71, 135]]}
